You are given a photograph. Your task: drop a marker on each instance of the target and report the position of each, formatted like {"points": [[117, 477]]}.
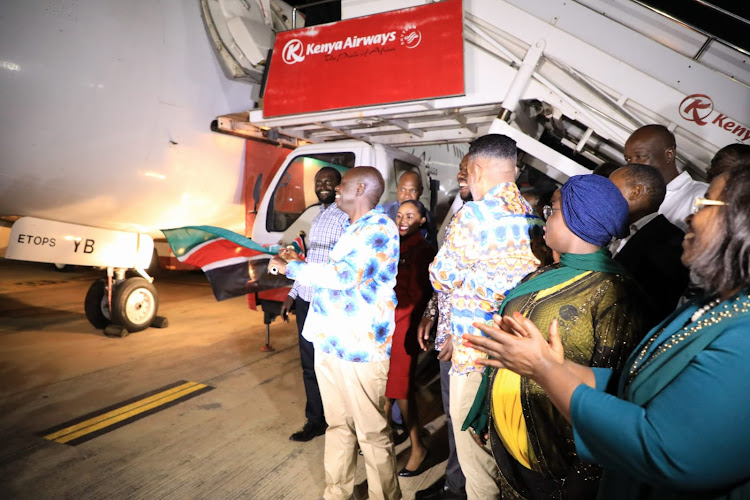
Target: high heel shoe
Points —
{"points": [[422, 468]]}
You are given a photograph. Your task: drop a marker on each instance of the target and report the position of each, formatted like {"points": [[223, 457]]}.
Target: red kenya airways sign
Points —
{"points": [[402, 55]]}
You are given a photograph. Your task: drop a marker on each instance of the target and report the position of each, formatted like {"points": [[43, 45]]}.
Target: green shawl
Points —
{"points": [[571, 265]]}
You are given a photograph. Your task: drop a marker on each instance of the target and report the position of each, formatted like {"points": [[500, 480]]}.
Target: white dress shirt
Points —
{"points": [[678, 203]]}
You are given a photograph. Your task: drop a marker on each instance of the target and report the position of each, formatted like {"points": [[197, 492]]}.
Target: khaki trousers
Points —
{"points": [[479, 467], [354, 403]]}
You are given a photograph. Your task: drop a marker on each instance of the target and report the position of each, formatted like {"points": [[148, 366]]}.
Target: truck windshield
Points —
{"points": [[295, 191]]}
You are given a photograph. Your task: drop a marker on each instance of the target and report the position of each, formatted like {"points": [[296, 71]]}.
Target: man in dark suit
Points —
{"points": [[653, 249]]}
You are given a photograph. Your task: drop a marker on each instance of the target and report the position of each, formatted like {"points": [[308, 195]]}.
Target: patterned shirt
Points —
{"points": [[439, 306], [352, 312], [486, 254], [325, 231]]}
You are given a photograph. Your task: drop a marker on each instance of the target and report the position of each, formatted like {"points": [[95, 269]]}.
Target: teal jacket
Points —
{"points": [[681, 427]]}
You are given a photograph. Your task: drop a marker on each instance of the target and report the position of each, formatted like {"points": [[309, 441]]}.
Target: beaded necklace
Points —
{"points": [[700, 312], [728, 310]]}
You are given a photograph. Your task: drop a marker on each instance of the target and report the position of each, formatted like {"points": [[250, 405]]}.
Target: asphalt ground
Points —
{"points": [[194, 410]]}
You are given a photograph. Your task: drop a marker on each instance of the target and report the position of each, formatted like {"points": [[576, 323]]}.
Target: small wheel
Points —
{"points": [[96, 305], [134, 304]]}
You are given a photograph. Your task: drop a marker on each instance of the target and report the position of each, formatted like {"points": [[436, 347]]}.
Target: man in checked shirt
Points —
{"points": [[325, 231]]}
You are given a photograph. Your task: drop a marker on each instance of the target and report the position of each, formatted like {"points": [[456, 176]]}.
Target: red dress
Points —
{"points": [[413, 291]]}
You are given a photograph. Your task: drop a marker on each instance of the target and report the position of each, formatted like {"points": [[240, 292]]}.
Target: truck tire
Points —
{"points": [[134, 304], [96, 306]]}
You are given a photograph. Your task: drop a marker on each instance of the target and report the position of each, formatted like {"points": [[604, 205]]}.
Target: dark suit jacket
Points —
{"points": [[652, 255]]}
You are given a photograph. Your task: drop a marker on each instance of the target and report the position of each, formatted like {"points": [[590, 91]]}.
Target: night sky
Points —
{"points": [[725, 27], [692, 12]]}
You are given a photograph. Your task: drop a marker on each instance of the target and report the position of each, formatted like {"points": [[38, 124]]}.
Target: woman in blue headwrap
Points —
{"points": [[600, 315], [673, 423]]}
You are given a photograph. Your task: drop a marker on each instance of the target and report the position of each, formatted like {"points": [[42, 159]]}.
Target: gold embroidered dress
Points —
{"points": [[600, 317]]}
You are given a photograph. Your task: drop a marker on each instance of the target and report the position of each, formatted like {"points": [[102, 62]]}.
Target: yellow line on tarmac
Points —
{"points": [[119, 414]]}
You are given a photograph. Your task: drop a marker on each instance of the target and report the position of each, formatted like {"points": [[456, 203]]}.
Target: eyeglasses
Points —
{"points": [[699, 203], [547, 211]]}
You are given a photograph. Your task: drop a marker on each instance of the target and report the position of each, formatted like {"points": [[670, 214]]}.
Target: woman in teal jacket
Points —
{"points": [[679, 425]]}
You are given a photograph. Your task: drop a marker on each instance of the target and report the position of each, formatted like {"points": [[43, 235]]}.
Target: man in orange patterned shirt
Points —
{"points": [[487, 252]]}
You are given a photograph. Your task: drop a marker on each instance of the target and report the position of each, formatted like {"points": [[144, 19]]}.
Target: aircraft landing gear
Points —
{"points": [[126, 306], [134, 304], [96, 304]]}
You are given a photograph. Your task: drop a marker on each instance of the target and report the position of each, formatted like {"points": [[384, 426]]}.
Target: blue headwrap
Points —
{"points": [[594, 209]]}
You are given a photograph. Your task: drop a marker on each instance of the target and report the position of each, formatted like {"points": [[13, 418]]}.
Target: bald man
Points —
{"points": [[655, 145], [351, 323], [410, 188]]}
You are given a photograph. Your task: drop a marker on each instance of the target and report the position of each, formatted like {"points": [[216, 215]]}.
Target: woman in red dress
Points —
{"points": [[413, 291]]}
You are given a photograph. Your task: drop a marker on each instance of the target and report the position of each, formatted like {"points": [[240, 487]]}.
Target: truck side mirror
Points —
{"points": [[256, 193], [434, 190]]}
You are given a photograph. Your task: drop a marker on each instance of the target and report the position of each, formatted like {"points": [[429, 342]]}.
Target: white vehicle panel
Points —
{"points": [[39, 240], [106, 111]]}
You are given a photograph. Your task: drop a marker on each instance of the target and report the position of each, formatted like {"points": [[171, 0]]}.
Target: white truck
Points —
{"points": [[568, 80], [288, 207]]}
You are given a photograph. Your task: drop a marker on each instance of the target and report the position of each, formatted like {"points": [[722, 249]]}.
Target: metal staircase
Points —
{"points": [[575, 72]]}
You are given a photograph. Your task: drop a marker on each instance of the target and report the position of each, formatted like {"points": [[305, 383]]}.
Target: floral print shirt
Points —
{"points": [[487, 252], [353, 304]]}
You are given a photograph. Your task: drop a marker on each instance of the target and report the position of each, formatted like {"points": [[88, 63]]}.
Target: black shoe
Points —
{"points": [[438, 491], [434, 492], [449, 495], [399, 437], [309, 431], [422, 467]]}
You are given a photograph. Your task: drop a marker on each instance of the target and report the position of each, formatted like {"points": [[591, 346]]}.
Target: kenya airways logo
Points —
{"points": [[411, 37], [293, 52], [696, 108], [699, 108]]}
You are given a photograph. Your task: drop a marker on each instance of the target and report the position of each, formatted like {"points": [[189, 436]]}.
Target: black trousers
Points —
{"points": [[314, 406]]}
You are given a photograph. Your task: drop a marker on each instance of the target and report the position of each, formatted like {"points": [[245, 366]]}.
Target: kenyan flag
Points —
{"points": [[234, 265]]}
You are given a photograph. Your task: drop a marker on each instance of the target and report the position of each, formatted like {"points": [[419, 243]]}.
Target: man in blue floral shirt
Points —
{"points": [[351, 323]]}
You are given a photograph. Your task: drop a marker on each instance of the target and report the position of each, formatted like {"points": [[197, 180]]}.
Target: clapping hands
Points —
{"points": [[515, 343]]}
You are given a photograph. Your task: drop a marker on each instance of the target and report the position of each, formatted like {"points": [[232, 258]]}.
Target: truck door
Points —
{"points": [[288, 208], [292, 204], [262, 162]]}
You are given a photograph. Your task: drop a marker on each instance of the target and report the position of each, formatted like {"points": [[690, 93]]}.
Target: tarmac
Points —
{"points": [[192, 411]]}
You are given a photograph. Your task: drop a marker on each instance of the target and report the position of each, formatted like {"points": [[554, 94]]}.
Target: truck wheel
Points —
{"points": [[134, 304], [96, 305]]}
